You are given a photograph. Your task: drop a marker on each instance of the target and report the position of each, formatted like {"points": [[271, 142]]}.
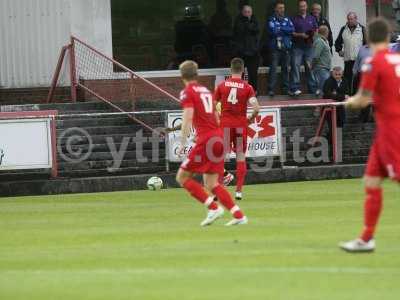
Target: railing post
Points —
{"points": [[334, 134], [57, 73], [72, 64], [54, 169]]}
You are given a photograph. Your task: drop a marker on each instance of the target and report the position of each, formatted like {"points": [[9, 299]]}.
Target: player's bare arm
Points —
{"points": [[172, 129], [256, 109], [186, 125], [361, 100], [218, 116]]}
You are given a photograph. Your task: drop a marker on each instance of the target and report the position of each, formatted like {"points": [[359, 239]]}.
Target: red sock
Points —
{"points": [[372, 211], [226, 200], [197, 191], [241, 171]]}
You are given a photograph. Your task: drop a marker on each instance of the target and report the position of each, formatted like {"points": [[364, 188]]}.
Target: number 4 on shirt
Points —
{"points": [[232, 98]]}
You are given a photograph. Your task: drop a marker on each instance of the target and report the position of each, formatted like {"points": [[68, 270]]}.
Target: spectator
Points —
{"points": [[336, 88], [316, 11], [351, 38], [245, 34], [363, 54], [305, 26], [280, 29], [191, 32], [322, 61]]}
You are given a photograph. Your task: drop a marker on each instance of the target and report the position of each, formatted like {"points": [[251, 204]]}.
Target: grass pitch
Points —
{"points": [[148, 245]]}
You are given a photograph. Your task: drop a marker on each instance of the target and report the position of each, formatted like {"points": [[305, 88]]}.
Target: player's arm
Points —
{"points": [[361, 100], [186, 124], [256, 109], [172, 129], [218, 116], [218, 104]]}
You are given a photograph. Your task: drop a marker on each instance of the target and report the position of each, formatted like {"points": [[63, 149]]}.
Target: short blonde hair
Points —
{"points": [[189, 70]]}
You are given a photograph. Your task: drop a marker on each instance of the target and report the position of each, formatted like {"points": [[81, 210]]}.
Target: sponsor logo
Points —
{"points": [[262, 127]]}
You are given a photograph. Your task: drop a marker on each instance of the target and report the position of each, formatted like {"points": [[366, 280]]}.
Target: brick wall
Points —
{"points": [[114, 90], [33, 95]]}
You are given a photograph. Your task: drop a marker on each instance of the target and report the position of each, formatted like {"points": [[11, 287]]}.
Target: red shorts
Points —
{"points": [[207, 156], [236, 139], [384, 159]]}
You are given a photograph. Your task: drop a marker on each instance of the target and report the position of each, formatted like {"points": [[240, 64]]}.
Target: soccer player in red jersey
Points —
{"points": [[207, 156], [234, 95], [380, 84]]}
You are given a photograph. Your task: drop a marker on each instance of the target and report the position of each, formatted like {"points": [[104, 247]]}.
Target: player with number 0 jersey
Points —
{"points": [[207, 156]]}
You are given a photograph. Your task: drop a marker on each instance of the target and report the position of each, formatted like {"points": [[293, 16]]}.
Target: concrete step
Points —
{"points": [[106, 155], [112, 172], [110, 130], [102, 138]]}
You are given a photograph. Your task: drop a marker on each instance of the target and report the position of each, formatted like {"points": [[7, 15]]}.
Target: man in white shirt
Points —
{"points": [[351, 38]]}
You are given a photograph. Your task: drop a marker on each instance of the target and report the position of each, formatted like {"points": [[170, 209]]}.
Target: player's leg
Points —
{"points": [[240, 145], [311, 81], [195, 189], [212, 215], [211, 183], [375, 174], [296, 61], [372, 207], [227, 177]]}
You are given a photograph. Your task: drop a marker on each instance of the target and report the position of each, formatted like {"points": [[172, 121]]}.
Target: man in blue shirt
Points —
{"points": [[305, 27], [280, 30]]}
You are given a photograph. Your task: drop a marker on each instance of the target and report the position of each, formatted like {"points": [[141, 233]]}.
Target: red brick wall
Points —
{"points": [[113, 90], [33, 95]]}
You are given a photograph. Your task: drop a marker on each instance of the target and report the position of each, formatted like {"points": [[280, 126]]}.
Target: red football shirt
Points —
{"points": [[234, 95], [201, 100], [381, 76]]}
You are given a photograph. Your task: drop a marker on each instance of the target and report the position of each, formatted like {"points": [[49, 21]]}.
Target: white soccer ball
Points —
{"points": [[154, 184]]}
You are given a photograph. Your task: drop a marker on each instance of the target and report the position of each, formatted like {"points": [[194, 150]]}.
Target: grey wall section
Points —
{"points": [[91, 22], [33, 32], [338, 10]]}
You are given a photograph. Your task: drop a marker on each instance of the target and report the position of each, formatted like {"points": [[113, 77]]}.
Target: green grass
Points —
{"points": [[148, 245]]}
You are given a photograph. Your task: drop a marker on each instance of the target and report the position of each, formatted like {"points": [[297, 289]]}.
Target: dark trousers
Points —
{"points": [[341, 119], [279, 58], [348, 74], [252, 63], [366, 113]]}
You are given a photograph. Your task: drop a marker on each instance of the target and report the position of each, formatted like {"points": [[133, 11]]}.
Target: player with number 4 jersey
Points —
{"points": [[234, 96], [380, 84], [207, 155]]}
